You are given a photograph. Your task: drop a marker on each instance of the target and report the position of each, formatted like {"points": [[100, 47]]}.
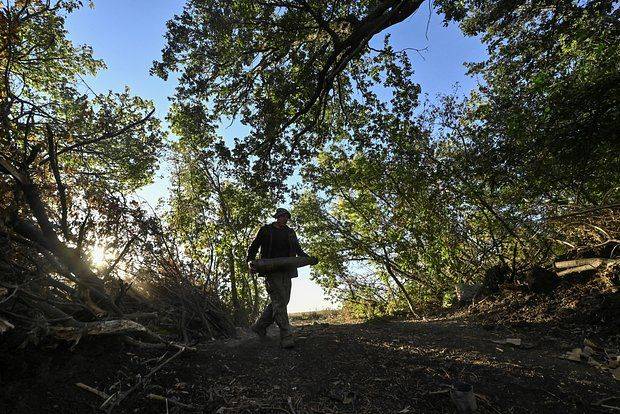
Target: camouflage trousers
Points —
{"points": [[278, 286]]}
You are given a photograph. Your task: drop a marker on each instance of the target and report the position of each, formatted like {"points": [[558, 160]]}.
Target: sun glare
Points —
{"points": [[98, 255]]}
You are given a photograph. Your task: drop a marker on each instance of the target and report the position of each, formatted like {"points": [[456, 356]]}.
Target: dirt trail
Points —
{"points": [[381, 367]]}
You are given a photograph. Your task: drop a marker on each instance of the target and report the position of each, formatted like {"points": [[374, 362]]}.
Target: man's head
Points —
{"points": [[282, 216]]}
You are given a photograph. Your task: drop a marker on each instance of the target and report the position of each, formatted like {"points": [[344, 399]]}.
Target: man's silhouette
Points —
{"points": [[276, 240]]}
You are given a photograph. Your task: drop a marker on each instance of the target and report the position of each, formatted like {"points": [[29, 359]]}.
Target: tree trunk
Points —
{"points": [[48, 238], [256, 298], [233, 285], [400, 285]]}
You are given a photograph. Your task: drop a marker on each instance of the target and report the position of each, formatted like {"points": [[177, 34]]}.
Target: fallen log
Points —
{"points": [[594, 262], [120, 326], [582, 265]]}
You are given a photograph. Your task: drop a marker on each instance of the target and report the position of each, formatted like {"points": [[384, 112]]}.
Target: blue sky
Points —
{"points": [[128, 36]]}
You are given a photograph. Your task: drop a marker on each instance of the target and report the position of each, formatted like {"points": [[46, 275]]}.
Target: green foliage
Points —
{"points": [[546, 119], [449, 299], [288, 70], [215, 217], [440, 196], [300, 75], [82, 152], [378, 219]]}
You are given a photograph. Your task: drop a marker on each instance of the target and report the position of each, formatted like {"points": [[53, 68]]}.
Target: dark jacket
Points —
{"points": [[263, 240]]}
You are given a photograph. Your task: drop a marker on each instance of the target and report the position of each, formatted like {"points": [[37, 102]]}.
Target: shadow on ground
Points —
{"points": [[386, 367]]}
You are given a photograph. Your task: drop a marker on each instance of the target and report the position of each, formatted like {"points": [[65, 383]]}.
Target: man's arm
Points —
{"points": [[297, 247], [253, 249]]}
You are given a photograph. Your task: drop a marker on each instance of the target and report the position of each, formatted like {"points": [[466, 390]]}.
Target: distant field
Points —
{"points": [[327, 315]]}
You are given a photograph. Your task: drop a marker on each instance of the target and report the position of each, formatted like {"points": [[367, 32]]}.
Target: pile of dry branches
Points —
{"points": [[42, 299], [592, 232], [185, 304]]}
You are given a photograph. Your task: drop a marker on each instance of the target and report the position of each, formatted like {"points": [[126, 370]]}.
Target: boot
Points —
{"points": [[287, 342], [259, 330]]}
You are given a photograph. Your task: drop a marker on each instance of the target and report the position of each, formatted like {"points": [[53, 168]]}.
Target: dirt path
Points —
{"points": [[382, 367]]}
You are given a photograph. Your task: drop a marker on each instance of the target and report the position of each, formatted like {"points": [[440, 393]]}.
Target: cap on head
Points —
{"points": [[281, 212]]}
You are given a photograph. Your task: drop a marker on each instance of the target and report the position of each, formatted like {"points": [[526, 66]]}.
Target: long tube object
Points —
{"points": [[283, 263]]}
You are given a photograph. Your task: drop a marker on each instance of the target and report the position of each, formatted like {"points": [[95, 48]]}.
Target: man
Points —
{"points": [[276, 240]]}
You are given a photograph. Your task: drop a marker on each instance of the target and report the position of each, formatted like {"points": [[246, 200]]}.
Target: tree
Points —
{"points": [[542, 131], [67, 162], [470, 185], [388, 216], [215, 217], [287, 69], [547, 113]]}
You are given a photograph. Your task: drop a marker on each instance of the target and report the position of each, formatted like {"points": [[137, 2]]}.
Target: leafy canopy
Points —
{"points": [[286, 69]]}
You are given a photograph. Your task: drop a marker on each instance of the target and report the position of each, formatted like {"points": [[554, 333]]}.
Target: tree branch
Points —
{"points": [[103, 137], [123, 252], [62, 195]]}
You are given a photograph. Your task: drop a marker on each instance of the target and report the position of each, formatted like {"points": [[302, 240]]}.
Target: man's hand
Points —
{"points": [[251, 267]]}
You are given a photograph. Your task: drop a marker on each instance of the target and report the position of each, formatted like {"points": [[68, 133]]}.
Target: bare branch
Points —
{"points": [[103, 137], [8, 167], [386, 14], [122, 254]]}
